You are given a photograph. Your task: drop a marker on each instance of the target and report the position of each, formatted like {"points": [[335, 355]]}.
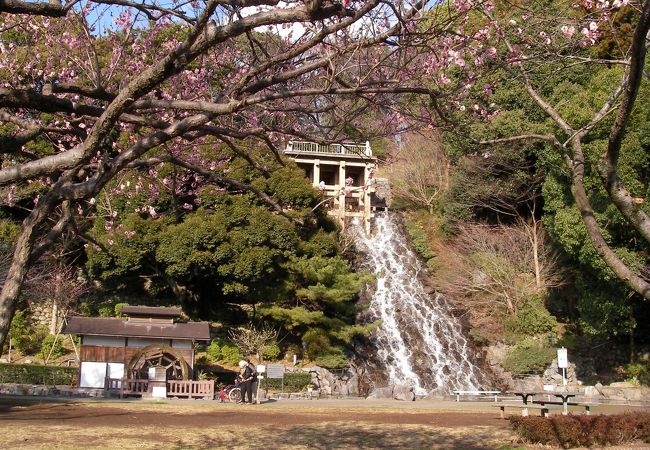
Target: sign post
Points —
{"points": [[563, 362]]}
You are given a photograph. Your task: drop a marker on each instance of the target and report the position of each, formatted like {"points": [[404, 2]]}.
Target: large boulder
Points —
{"points": [[382, 392], [404, 393]]}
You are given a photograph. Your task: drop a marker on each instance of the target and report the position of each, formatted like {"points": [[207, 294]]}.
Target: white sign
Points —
{"points": [[261, 369], [562, 358], [159, 391]]}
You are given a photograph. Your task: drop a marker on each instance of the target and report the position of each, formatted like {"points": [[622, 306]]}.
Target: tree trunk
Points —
{"points": [[54, 320], [535, 243], [14, 282], [20, 263]]}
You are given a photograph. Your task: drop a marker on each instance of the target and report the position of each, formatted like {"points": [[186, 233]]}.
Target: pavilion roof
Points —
{"points": [[102, 326]]}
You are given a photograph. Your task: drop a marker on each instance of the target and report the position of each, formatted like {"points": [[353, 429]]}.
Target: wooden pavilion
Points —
{"points": [[140, 353]]}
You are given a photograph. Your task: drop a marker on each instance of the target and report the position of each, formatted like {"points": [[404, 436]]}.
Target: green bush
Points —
{"points": [[637, 372], [26, 338], [106, 309], [528, 356], [317, 342], [213, 351], [52, 347], [421, 244], [271, 352], [118, 309], [293, 382], [230, 354], [533, 317], [583, 431], [35, 374], [334, 360]]}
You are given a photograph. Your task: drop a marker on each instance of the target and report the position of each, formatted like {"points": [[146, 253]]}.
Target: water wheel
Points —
{"points": [[158, 356]]}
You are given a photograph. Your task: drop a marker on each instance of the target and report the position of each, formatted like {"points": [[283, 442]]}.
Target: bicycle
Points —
{"points": [[231, 393]]}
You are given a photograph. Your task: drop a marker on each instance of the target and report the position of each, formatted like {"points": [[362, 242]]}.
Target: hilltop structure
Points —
{"points": [[345, 174]]}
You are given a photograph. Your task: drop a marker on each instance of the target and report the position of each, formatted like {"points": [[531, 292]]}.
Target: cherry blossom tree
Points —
{"points": [[93, 88]]}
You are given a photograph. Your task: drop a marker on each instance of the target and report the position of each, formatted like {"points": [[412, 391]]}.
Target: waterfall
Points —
{"points": [[419, 342]]}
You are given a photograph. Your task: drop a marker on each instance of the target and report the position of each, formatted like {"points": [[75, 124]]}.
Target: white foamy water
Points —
{"points": [[419, 341]]}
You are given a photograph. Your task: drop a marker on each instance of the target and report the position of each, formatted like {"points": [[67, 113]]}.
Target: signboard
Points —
{"points": [[562, 358], [275, 371]]}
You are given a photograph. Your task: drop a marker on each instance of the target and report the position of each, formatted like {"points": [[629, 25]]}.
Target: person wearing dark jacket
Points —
{"points": [[248, 376]]}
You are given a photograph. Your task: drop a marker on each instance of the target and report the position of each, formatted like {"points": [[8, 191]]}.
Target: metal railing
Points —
{"points": [[335, 149]]}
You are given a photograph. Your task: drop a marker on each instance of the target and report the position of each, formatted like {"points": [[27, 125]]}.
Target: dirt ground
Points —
{"points": [[55, 424]]}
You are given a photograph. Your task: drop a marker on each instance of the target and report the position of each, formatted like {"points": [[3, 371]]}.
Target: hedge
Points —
{"points": [[583, 431], [35, 374], [293, 382]]}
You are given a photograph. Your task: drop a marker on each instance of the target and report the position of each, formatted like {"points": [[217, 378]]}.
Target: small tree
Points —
{"points": [[495, 271], [253, 341], [420, 172], [58, 283]]}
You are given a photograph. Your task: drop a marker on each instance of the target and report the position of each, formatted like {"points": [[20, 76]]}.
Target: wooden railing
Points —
{"points": [[125, 386], [190, 389], [339, 149], [175, 388]]}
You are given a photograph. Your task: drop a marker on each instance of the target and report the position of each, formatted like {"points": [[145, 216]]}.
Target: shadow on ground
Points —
{"points": [[354, 435]]}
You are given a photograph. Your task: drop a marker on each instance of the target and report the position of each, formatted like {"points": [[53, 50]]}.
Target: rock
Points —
{"points": [[623, 384], [403, 393], [382, 392], [533, 383], [613, 393], [592, 392]]}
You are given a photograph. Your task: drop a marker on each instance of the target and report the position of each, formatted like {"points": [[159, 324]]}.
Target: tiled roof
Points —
{"points": [[151, 311], [101, 326]]}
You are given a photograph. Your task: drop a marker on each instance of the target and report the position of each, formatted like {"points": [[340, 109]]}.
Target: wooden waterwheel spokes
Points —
{"points": [[159, 356]]}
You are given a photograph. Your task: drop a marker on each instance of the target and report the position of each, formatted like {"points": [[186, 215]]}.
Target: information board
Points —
{"points": [[562, 358]]}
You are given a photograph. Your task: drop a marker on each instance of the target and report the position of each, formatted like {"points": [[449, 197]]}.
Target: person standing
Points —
{"points": [[248, 376]]}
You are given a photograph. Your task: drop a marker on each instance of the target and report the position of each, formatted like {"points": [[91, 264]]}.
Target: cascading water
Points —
{"points": [[419, 342]]}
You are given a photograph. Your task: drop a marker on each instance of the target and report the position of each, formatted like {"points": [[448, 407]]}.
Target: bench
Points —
{"points": [[524, 408], [586, 406], [490, 393]]}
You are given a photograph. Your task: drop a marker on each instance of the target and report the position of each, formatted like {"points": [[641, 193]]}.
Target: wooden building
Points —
{"points": [[148, 339], [345, 174]]}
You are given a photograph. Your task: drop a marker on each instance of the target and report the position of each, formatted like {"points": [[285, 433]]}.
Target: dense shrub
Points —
{"points": [[528, 356], [271, 352], [293, 382], [332, 360], [213, 351], [583, 431], [532, 319], [421, 244], [35, 374], [118, 309], [230, 354], [637, 372], [26, 338], [51, 348], [317, 342]]}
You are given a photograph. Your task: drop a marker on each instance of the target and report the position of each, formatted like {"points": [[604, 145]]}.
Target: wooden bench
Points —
{"points": [[586, 406], [490, 393], [524, 408]]}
